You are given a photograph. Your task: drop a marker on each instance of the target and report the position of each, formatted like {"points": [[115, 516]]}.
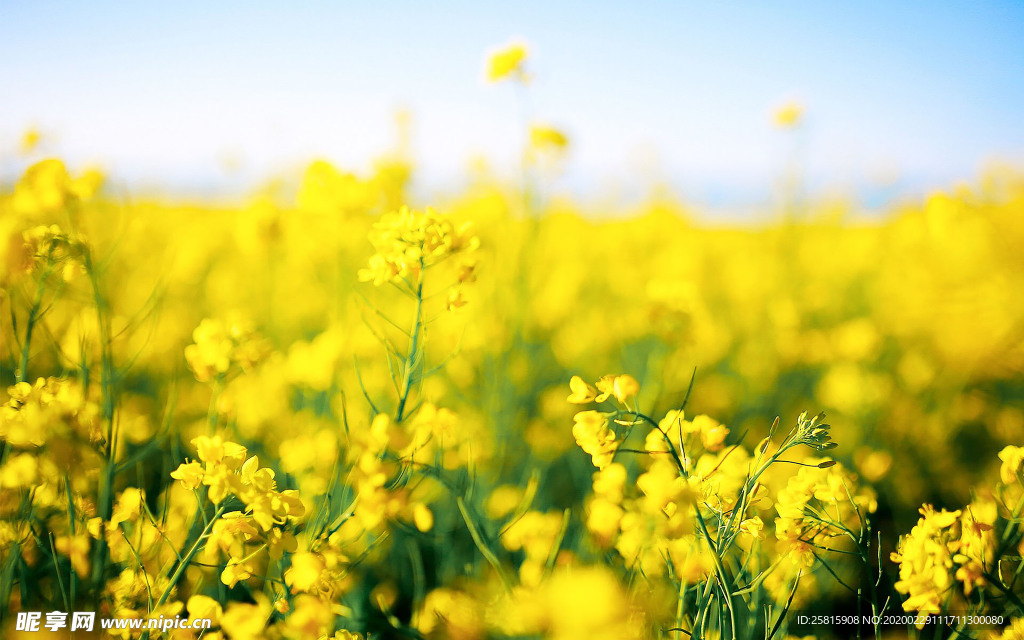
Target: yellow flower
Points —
{"points": [[190, 474], [603, 519], [260, 480], [692, 560], [310, 617], [546, 144], [279, 542], [220, 343], [453, 614], [656, 442], [235, 572], [712, 433], [76, 548], [214, 450], [30, 140], [408, 241], [19, 471], [661, 484], [423, 517], [262, 510], [606, 386], [753, 527], [582, 393], [455, 299], [610, 482], [594, 437], [229, 534], [789, 115], [926, 562], [44, 188], [622, 387], [1013, 462], [1013, 632], [542, 136], [221, 482], [575, 602], [128, 507], [210, 450], [503, 500], [246, 621], [95, 527], [674, 421], [534, 533], [210, 355], [200, 606], [507, 63], [344, 634], [305, 571]]}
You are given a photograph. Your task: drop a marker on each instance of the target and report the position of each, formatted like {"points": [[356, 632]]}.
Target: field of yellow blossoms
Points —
{"points": [[348, 415]]}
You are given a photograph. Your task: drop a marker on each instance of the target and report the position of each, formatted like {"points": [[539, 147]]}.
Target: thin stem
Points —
{"points": [[410, 361], [33, 317], [481, 545], [184, 564], [107, 413]]}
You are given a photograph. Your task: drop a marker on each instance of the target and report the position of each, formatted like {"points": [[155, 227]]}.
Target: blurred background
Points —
{"points": [[214, 98]]}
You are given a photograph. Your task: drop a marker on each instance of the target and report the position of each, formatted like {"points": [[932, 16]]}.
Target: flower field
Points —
{"points": [[346, 414]]}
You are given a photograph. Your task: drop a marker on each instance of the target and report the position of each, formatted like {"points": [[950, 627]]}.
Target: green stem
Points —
{"points": [[33, 317], [410, 360], [1011, 596], [680, 610], [72, 527], [186, 560], [107, 411], [482, 546]]}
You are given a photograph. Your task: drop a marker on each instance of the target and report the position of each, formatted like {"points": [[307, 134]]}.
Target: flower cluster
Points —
{"points": [[658, 530], [219, 344], [408, 241], [926, 561], [225, 470], [375, 458], [818, 505], [47, 248], [592, 430], [53, 410], [536, 535], [594, 435], [575, 602], [956, 554], [48, 188]]}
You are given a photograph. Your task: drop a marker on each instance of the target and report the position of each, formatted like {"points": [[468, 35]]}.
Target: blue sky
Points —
{"points": [[909, 94]]}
